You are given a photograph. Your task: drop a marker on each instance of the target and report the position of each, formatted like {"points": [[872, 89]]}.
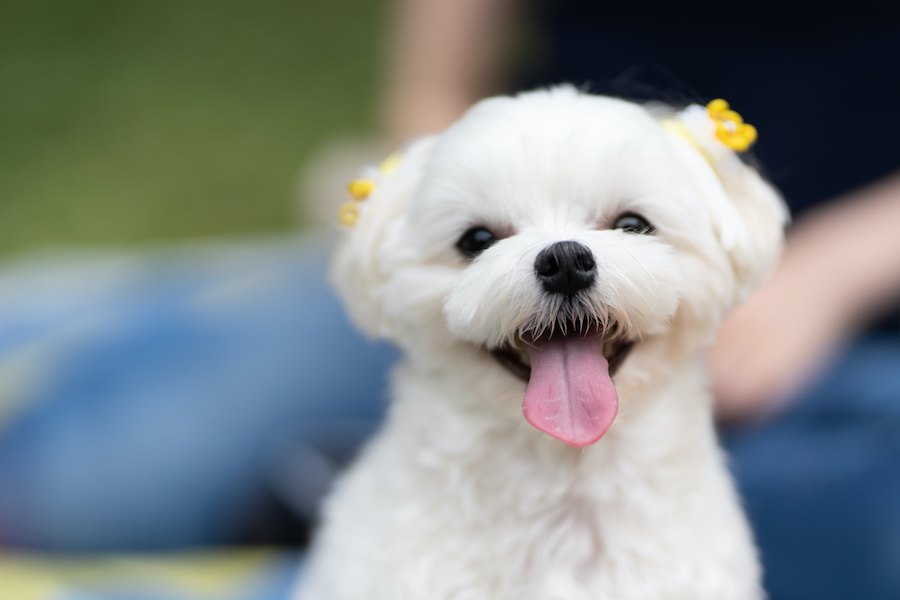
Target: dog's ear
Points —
{"points": [[748, 214], [372, 247]]}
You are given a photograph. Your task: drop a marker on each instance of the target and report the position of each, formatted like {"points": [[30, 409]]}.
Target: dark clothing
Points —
{"points": [[821, 83]]}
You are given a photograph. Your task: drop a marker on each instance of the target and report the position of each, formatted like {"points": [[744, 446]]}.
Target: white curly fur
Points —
{"points": [[457, 496]]}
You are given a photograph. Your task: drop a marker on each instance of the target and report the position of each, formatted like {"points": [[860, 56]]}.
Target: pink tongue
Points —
{"points": [[570, 394]]}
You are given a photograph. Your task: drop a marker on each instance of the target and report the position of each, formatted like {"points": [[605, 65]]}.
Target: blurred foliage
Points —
{"points": [[127, 120]]}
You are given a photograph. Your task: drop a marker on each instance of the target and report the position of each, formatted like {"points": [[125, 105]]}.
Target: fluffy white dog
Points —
{"points": [[568, 257]]}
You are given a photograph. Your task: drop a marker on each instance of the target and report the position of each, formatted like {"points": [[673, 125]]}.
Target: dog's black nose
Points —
{"points": [[565, 268]]}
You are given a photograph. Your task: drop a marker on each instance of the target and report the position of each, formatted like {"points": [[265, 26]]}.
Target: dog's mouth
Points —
{"points": [[518, 362], [570, 393]]}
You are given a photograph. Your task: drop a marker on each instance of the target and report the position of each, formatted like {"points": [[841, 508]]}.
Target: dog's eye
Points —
{"points": [[634, 223], [475, 241]]}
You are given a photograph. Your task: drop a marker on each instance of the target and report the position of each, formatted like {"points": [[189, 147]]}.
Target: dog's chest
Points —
{"points": [[446, 520], [548, 541], [529, 522], [517, 518]]}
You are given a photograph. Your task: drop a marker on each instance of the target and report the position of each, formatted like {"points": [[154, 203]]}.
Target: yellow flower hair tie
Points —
{"points": [[360, 189], [730, 127]]}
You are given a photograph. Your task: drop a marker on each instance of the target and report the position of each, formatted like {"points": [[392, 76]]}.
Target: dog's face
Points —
{"points": [[569, 240]]}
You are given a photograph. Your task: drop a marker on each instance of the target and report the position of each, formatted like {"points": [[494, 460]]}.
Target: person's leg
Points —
{"points": [[167, 393], [822, 482]]}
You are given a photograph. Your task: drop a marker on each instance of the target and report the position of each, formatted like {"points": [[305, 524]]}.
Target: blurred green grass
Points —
{"points": [[143, 120]]}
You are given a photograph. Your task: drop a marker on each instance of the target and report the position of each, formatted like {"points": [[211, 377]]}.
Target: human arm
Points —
{"points": [[443, 55], [841, 266]]}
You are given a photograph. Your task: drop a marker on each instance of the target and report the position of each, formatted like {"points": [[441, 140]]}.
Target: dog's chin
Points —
{"points": [[516, 359]]}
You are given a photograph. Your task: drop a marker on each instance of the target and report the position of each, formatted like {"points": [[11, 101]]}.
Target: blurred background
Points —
{"points": [[178, 385], [151, 157], [139, 122]]}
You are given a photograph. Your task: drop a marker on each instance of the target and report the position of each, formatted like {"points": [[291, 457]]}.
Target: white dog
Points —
{"points": [[570, 257]]}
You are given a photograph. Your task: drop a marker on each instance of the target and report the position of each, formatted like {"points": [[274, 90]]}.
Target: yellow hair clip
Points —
{"points": [[730, 127], [360, 189]]}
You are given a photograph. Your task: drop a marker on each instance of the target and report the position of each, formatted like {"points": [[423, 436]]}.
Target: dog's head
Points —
{"points": [[573, 238]]}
